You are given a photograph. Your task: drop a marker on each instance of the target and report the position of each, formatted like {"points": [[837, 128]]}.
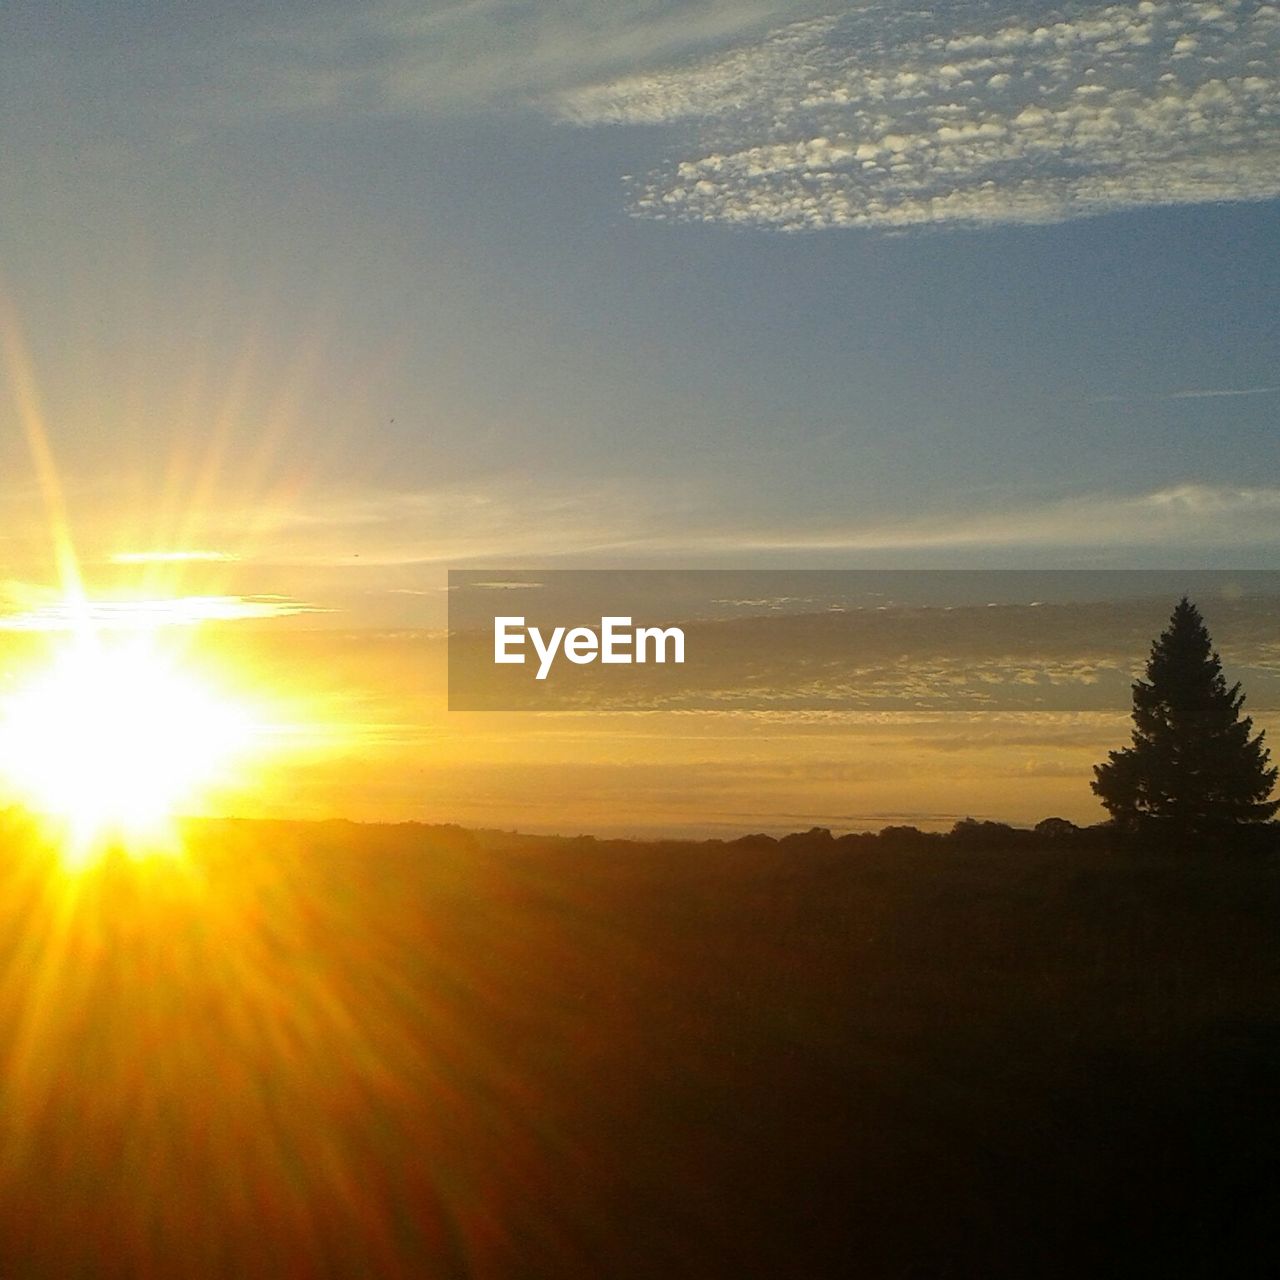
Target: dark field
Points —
{"points": [[331, 1050]]}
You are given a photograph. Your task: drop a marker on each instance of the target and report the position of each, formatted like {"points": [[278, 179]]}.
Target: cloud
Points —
{"points": [[403, 532], [336, 545], [130, 615], [891, 118], [1209, 393], [171, 557], [453, 524], [1189, 514], [1193, 393], [404, 59]]}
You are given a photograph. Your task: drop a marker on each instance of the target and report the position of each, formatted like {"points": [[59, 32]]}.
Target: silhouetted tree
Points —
{"points": [[1056, 828], [1193, 767], [969, 833]]}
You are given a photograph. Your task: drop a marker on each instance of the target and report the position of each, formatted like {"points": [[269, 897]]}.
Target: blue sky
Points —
{"points": [[353, 295]]}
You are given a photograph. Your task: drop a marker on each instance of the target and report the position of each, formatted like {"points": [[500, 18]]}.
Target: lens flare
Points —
{"points": [[113, 738]]}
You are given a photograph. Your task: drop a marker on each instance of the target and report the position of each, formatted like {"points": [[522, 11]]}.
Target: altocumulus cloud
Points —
{"points": [[967, 115]]}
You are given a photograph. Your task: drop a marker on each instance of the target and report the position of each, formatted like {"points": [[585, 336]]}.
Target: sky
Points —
{"points": [[313, 302]]}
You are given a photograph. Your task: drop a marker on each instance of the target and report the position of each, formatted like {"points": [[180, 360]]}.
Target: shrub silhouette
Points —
{"points": [[1193, 768]]}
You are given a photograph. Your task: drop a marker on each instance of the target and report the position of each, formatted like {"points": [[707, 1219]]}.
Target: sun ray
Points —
{"points": [[26, 396]]}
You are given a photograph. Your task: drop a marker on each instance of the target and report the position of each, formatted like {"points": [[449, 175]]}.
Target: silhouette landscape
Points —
{"points": [[326, 1049], [340, 1049]]}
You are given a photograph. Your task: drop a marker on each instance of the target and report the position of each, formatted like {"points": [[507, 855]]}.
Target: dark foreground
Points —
{"points": [[349, 1051]]}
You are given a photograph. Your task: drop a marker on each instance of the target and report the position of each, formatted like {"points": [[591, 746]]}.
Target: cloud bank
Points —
{"points": [[1184, 515], [964, 116], [400, 533]]}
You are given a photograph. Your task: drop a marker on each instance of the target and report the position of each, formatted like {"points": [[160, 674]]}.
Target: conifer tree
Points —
{"points": [[1194, 767]]}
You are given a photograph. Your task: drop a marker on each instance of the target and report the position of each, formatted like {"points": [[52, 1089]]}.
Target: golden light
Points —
{"points": [[117, 735]]}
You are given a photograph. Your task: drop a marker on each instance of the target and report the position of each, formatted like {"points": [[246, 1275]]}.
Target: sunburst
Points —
{"points": [[114, 736]]}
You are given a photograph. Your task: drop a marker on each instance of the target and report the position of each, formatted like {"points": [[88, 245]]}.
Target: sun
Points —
{"points": [[114, 737]]}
